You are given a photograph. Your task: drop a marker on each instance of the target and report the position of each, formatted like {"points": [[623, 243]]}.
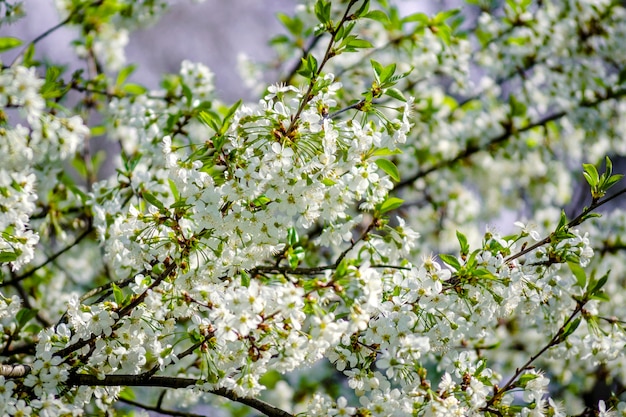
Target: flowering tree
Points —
{"points": [[331, 249]]}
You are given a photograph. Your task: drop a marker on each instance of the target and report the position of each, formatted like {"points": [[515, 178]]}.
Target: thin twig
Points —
{"points": [[27, 274], [316, 269], [553, 342], [124, 311], [327, 55], [509, 133], [305, 51], [52, 29], [158, 409], [573, 223]]}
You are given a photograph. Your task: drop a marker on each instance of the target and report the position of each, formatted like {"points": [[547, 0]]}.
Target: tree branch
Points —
{"points": [[49, 260], [573, 223], [508, 134], [121, 313], [14, 371], [316, 269], [173, 382], [158, 409], [305, 51], [327, 55]]}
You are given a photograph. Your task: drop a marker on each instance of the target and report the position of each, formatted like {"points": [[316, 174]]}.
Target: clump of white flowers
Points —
{"points": [[339, 236]]}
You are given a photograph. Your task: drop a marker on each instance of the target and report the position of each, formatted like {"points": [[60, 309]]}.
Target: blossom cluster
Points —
{"points": [[245, 249]]}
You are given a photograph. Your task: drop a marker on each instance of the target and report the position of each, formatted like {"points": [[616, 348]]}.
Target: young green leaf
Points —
{"points": [[463, 243], [591, 174], [395, 93], [377, 15], [579, 273], [389, 167], [150, 198], [6, 256], [9, 42], [450, 260], [124, 74], [118, 294], [389, 204]]}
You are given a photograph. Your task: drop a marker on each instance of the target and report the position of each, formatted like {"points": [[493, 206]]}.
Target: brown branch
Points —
{"points": [[573, 223], [59, 25], [158, 409], [556, 339], [473, 149], [327, 55], [121, 313], [316, 269], [508, 134], [14, 371], [173, 382], [49, 260], [305, 51]]}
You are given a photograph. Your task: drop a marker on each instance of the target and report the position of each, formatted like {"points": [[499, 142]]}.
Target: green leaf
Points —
{"points": [[395, 93], [134, 89], [352, 43], [124, 74], [421, 18], [292, 236], [377, 15], [389, 204], [260, 202], [229, 115], [378, 69], [29, 56], [579, 273], [601, 296], [445, 15], [562, 222], [71, 185], [245, 279], [180, 204], [6, 256], [174, 189], [612, 180], [308, 69], [525, 379], [386, 152], [389, 167], [483, 273], [118, 294], [518, 108], [591, 174], [293, 25], [270, 379], [150, 198], [463, 243], [24, 316], [322, 11], [127, 393], [569, 329], [97, 130], [363, 9], [342, 269], [387, 72], [279, 39], [450, 260], [8, 43], [597, 286], [210, 118], [295, 256]]}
